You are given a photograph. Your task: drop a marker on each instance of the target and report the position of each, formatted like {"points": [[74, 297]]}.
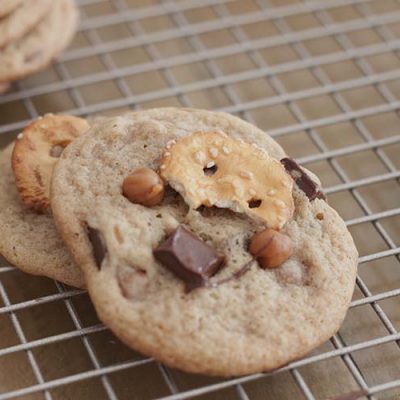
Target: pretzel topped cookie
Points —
{"points": [[214, 169], [35, 153], [208, 292]]}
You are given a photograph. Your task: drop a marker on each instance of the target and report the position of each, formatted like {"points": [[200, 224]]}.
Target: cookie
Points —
{"points": [[35, 153], [182, 284], [41, 45], [22, 20], [7, 6], [29, 240]]}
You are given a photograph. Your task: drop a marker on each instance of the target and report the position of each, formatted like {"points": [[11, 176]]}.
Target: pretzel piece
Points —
{"points": [[213, 169], [36, 152]]}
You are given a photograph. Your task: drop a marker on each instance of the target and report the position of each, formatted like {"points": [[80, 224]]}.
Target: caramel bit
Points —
{"points": [[213, 169], [144, 186], [270, 248]]}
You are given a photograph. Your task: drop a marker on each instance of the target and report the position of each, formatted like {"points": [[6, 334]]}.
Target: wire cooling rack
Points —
{"points": [[323, 78]]}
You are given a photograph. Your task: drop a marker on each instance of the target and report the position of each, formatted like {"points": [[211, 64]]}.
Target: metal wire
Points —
{"points": [[121, 13]]}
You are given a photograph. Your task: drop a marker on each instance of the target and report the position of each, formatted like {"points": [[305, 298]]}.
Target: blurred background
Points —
{"points": [[323, 78]]}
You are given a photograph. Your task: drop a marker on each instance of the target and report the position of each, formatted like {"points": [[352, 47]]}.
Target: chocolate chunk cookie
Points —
{"points": [[192, 279]]}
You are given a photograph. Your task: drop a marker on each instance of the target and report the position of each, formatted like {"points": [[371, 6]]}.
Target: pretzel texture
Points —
{"points": [[36, 152], [213, 169]]}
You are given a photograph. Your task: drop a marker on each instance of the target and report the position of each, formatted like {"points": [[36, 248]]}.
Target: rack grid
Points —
{"points": [[323, 78]]}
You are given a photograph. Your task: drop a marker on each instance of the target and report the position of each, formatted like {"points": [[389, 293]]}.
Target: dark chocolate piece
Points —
{"points": [[98, 247], [188, 257], [303, 181]]}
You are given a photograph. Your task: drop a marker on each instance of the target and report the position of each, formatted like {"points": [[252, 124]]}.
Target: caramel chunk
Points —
{"points": [[144, 186], [270, 248]]}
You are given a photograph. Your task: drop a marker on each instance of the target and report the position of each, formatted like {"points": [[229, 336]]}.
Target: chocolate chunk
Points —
{"points": [[189, 258], [303, 181], [98, 247]]}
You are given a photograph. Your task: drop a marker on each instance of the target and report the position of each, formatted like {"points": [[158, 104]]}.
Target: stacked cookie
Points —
{"points": [[200, 242], [32, 34]]}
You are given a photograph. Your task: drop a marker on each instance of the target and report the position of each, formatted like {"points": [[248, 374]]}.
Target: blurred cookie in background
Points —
{"points": [[32, 35], [22, 20]]}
